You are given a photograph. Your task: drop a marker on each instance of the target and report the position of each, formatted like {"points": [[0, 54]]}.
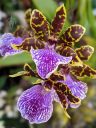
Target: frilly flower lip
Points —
{"points": [[35, 104], [47, 61], [5, 44]]}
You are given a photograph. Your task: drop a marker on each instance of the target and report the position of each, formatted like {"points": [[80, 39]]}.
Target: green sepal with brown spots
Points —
{"points": [[29, 43], [85, 52], [32, 73], [83, 71], [28, 16], [58, 21], [72, 35], [65, 94], [27, 72], [39, 25], [21, 73]]}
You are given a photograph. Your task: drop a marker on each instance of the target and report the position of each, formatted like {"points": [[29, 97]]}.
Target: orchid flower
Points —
{"points": [[5, 44], [58, 65], [46, 39], [36, 103]]}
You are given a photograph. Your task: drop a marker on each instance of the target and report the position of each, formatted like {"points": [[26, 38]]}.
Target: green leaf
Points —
{"points": [[2, 81], [16, 59], [91, 19], [47, 7]]}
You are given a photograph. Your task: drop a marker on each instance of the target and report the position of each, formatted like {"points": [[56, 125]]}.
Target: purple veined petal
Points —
{"points": [[5, 44], [17, 40], [5, 38], [35, 104], [78, 88], [47, 61]]}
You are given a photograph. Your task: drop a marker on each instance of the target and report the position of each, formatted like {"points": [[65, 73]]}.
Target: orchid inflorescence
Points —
{"points": [[58, 64]]}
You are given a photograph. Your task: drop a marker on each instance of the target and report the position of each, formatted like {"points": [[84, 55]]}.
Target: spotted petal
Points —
{"points": [[83, 71], [47, 61], [54, 77], [28, 16], [62, 97], [35, 104], [58, 21], [73, 34], [39, 25], [68, 51], [22, 32], [85, 52], [28, 43], [65, 50], [65, 95], [6, 40]]}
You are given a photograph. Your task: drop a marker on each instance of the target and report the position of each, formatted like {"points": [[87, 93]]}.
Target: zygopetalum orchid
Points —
{"points": [[58, 64], [5, 44], [36, 103]]}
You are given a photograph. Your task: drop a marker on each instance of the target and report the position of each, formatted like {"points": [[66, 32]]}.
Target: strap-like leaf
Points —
{"points": [[58, 21], [73, 34], [39, 25], [85, 52]]}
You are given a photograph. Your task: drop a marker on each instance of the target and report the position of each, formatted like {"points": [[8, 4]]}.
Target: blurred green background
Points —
{"points": [[11, 15]]}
